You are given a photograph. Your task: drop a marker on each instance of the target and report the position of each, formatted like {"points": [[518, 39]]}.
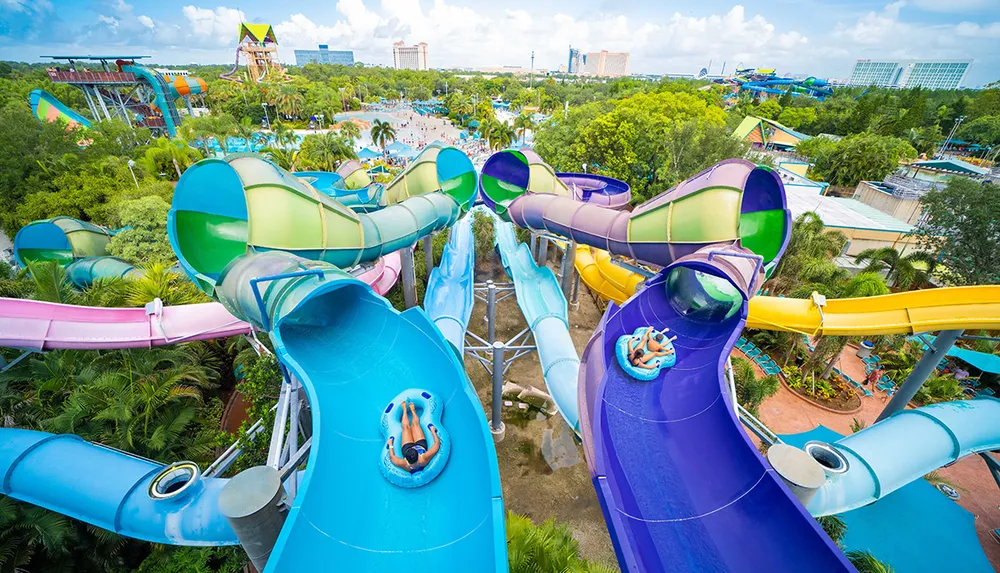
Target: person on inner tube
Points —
{"points": [[642, 359], [416, 454]]}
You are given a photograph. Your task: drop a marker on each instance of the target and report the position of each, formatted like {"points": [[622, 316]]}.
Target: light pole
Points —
{"points": [[130, 165], [951, 134], [266, 118], [343, 102], [321, 121]]}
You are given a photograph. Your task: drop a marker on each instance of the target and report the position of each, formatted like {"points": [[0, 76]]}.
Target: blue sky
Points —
{"points": [[817, 37]]}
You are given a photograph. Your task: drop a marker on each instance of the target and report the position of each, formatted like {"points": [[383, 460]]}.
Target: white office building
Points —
{"points": [[606, 64], [928, 74], [409, 57]]}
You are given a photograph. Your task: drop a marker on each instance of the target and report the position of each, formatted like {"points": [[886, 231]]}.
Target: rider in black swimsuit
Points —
{"points": [[416, 454]]}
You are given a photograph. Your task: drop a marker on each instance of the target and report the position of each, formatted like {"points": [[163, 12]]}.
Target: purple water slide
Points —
{"points": [[681, 485], [36, 325], [609, 229], [597, 189]]}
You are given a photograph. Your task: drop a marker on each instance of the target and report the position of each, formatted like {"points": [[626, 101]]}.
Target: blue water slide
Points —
{"points": [[354, 353], [160, 97], [368, 198], [543, 305], [114, 490], [911, 443], [449, 297]]}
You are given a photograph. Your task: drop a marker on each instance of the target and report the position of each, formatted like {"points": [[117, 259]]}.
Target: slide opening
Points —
{"points": [[830, 458], [457, 176], [764, 227], [700, 296], [174, 480], [210, 225], [505, 176]]}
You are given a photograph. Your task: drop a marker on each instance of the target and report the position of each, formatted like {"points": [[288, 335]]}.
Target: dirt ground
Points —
{"points": [[542, 468]]}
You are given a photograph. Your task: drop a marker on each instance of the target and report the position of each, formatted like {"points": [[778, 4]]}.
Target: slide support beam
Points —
{"points": [[429, 253], [254, 504], [496, 424], [543, 251], [568, 269], [924, 368], [409, 277]]}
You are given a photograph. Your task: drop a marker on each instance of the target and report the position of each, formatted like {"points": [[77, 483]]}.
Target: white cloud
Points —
{"points": [[972, 30], [217, 26], [111, 21], [146, 21]]}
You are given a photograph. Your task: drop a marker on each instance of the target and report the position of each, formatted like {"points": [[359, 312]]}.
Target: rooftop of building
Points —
{"points": [[840, 212], [951, 165]]}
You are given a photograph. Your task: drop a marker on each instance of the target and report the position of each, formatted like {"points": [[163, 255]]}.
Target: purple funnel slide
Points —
{"points": [[681, 485]]}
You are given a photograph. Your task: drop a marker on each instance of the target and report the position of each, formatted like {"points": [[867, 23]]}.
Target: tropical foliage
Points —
{"points": [[751, 390], [382, 133], [545, 548], [901, 271]]}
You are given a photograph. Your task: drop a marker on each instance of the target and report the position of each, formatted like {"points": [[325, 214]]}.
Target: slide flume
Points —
{"points": [[449, 297], [681, 485], [543, 305], [904, 447], [353, 353]]}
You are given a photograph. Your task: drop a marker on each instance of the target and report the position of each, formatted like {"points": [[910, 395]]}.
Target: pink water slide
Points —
{"points": [[35, 325]]}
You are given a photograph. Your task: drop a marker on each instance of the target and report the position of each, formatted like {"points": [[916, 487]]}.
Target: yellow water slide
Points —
{"points": [[973, 307]]}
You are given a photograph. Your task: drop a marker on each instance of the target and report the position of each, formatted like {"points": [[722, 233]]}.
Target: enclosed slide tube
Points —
{"points": [[725, 203], [449, 297], [597, 189], [128, 495], [726, 510], [869, 465], [37, 325], [160, 93], [350, 186], [225, 208], [543, 305]]}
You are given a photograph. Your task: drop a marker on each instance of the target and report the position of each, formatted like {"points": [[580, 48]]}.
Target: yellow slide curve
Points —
{"points": [[972, 307]]}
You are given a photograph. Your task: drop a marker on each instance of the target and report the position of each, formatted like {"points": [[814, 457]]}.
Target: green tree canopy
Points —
{"points": [[962, 228]]}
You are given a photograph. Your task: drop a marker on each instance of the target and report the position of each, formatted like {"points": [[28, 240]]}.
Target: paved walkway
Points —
{"points": [[786, 413]]}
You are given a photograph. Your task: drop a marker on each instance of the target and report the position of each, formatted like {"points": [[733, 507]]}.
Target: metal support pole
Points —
{"points": [[253, 503], [576, 290], [409, 278], [100, 100], [429, 253], [924, 368], [568, 268], [534, 244], [496, 424], [491, 310], [543, 251]]}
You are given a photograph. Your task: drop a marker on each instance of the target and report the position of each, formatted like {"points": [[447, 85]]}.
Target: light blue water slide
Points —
{"points": [[909, 444], [543, 305], [111, 489], [353, 354], [449, 297]]}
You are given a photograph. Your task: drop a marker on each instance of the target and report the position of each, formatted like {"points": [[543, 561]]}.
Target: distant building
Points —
{"points": [[929, 74], [324, 55], [606, 64], [409, 57], [575, 61], [768, 134]]}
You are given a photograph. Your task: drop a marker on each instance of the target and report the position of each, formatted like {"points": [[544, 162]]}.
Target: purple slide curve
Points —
{"points": [[36, 325], [681, 485]]}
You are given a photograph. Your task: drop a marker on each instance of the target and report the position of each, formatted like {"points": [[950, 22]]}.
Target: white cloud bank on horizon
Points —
{"points": [[462, 36]]}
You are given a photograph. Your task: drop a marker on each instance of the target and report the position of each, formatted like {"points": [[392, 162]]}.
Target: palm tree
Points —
{"points": [[284, 136], [245, 130], [168, 151], [286, 159], [461, 106], [486, 129], [902, 271], [288, 100], [865, 562], [524, 123], [160, 280], [327, 149], [350, 131], [751, 391], [502, 136], [810, 240], [382, 132]]}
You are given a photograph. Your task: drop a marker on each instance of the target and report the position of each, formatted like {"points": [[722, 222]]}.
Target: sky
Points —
{"points": [[815, 37]]}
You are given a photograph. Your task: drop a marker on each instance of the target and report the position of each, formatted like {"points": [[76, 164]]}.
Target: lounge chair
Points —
{"points": [[867, 392], [740, 342], [761, 359], [753, 353]]}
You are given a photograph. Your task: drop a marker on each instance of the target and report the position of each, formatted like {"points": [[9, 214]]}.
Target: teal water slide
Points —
{"points": [[543, 305], [270, 248], [449, 297]]}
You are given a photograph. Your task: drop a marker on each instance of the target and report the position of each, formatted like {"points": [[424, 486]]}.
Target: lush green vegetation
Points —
{"points": [[545, 548], [751, 390]]}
